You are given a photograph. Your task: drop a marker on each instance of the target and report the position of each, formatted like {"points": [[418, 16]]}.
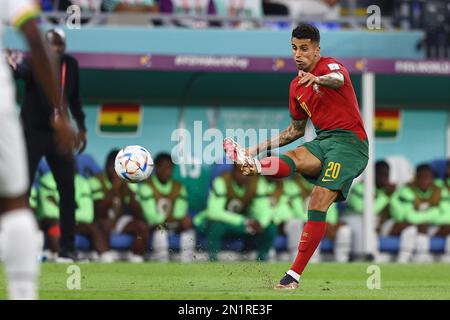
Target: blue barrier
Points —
{"points": [[124, 242]]}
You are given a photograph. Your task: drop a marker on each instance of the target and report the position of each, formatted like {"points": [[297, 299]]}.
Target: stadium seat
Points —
{"points": [[280, 244], [439, 167], [389, 244], [437, 244], [82, 243], [174, 242], [326, 245], [119, 241]]}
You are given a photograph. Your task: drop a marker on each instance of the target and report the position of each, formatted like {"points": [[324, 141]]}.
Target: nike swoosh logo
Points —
{"points": [[298, 98]]}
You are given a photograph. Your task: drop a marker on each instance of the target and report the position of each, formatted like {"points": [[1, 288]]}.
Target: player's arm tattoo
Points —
{"points": [[294, 131], [332, 80]]}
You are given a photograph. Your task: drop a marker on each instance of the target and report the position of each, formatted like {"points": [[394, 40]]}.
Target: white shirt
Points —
{"points": [[12, 12]]}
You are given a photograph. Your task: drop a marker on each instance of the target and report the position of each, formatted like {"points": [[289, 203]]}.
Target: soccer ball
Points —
{"points": [[133, 164]]}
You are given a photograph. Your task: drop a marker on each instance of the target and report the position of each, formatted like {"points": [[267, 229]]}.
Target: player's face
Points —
{"points": [[305, 53], [164, 171], [424, 179], [56, 43], [382, 177]]}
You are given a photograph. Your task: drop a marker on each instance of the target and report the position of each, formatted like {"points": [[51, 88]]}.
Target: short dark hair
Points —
{"points": [[306, 31], [161, 157], [380, 164], [424, 167], [111, 157]]}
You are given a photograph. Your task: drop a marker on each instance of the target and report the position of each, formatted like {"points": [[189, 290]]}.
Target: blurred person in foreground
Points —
{"points": [[37, 117], [19, 245]]}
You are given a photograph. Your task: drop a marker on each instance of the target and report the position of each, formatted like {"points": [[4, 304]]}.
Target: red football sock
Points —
{"points": [[312, 234], [278, 167]]}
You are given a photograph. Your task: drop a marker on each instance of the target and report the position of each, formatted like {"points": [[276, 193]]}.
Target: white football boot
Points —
{"points": [[250, 166]]}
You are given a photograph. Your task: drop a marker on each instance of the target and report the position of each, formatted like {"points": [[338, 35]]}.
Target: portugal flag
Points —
{"points": [[387, 123], [119, 118]]}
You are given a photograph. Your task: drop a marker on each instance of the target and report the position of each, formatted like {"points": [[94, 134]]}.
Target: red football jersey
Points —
{"points": [[328, 108]]}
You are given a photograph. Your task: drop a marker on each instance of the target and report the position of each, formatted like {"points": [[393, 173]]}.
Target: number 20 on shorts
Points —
{"points": [[333, 170]]}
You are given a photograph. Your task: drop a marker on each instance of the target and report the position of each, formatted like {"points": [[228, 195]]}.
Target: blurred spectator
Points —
{"points": [[312, 9], [424, 205], [48, 214], [237, 209], [134, 6], [199, 8], [272, 8], [436, 22], [298, 191], [132, 12], [240, 9], [353, 214], [165, 207], [86, 6], [117, 210]]}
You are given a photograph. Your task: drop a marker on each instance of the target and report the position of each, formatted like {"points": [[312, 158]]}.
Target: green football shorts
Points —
{"points": [[344, 157]]}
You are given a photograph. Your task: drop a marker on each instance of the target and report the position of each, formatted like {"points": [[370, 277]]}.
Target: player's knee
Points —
{"points": [[304, 161], [322, 198]]}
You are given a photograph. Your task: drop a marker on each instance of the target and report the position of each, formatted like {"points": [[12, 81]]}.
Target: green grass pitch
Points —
{"points": [[240, 281]]}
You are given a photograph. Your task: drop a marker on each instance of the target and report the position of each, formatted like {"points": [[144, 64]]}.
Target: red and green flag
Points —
{"points": [[120, 119], [387, 123]]}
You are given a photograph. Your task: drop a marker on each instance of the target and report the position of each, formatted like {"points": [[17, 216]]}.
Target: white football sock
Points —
{"points": [[294, 274], [20, 253], [187, 245], [293, 229], [408, 239], [422, 249], [161, 245], [343, 243]]}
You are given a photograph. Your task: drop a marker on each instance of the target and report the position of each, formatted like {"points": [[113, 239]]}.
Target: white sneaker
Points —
{"points": [[135, 258], [249, 164], [107, 257]]}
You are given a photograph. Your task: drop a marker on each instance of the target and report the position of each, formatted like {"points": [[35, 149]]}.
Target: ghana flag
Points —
{"points": [[387, 123], [120, 119]]}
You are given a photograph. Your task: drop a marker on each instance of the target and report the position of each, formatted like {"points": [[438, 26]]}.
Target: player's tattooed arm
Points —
{"points": [[332, 80], [294, 131]]}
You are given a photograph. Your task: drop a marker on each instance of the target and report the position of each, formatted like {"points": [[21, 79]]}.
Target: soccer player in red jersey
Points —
{"points": [[323, 93]]}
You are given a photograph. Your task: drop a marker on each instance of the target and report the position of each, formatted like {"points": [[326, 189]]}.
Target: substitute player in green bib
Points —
{"points": [[238, 208], [323, 93], [165, 207]]}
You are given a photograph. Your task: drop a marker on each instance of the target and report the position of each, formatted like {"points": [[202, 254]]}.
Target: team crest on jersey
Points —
{"points": [[333, 66]]}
